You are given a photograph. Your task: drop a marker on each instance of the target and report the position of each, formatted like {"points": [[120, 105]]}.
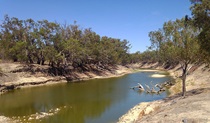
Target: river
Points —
{"points": [[92, 101]]}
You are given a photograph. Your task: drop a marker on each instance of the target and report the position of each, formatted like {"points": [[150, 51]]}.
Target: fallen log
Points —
{"points": [[140, 87]]}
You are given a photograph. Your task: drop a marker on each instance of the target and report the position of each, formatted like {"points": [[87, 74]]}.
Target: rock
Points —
{"points": [[4, 119], [30, 118], [148, 110]]}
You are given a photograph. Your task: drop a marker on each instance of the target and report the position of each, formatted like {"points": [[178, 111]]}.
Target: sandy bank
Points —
{"points": [[148, 70], [175, 109], [15, 75], [194, 108], [158, 76], [21, 79]]}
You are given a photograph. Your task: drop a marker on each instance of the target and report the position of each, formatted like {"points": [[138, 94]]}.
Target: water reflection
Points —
{"points": [[101, 100]]}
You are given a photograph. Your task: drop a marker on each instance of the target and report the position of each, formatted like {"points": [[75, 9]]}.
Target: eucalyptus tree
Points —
{"points": [[13, 39], [179, 44], [135, 57], [201, 16], [48, 38], [123, 51], [3, 47], [17, 39], [31, 37], [157, 40], [90, 42], [149, 56], [114, 51], [6, 37], [61, 45]]}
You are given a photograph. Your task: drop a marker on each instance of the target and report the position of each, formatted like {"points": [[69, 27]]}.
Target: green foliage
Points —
{"points": [[177, 42], [18, 51], [30, 41], [185, 41], [201, 17], [149, 56]]}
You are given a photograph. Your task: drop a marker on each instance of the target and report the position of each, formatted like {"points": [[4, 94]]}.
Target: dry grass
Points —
{"points": [[193, 83], [177, 87], [190, 82]]}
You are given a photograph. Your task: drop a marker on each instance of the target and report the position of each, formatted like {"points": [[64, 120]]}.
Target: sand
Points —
{"points": [[198, 84], [158, 76], [194, 108]]}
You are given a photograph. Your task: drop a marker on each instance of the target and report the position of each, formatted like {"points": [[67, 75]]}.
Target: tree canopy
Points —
{"points": [[43, 41], [201, 16], [175, 43]]}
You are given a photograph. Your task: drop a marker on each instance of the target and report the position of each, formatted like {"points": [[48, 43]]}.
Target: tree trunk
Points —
{"points": [[184, 76], [30, 59], [38, 60], [184, 85], [42, 61], [42, 58]]}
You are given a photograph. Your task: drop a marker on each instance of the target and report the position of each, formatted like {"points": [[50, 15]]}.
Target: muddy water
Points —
{"points": [[92, 101]]}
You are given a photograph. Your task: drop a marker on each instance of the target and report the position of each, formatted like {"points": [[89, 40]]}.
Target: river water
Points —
{"points": [[92, 101]]}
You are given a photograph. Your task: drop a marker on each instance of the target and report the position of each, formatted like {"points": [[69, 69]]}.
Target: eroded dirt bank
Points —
{"points": [[194, 108], [16, 75]]}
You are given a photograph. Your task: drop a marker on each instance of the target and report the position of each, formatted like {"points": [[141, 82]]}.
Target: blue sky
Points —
{"points": [[124, 19]]}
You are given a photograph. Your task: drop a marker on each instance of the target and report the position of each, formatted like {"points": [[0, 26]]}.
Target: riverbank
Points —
{"points": [[197, 86], [194, 108], [16, 75]]}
